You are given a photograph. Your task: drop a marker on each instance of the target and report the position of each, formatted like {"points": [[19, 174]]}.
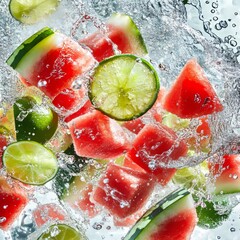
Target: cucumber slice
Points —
{"points": [[27, 46], [135, 38], [32, 11], [178, 201], [30, 162], [124, 87]]}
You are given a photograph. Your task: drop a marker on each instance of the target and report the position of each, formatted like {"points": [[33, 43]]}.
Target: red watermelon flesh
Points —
{"points": [[84, 202], [130, 164], [202, 136], [155, 144], [97, 136], [12, 201], [123, 191], [177, 227], [227, 174], [48, 212], [192, 95], [68, 99], [134, 125], [87, 107], [59, 67], [101, 44]]}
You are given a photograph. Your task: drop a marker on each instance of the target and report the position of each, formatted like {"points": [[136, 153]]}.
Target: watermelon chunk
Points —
{"points": [[227, 174], [122, 32], [172, 218], [202, 139], [12, 201], [48, 212], [123, 191], [134, 126], [82, 110], [155, 144], [54, 63], [68, 99], [192, 95], [84, 202], [97, 136]]}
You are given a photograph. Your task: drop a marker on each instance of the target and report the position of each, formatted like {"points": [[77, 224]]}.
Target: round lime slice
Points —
{"points": [[124, 87], [32, 11], [60, 232], [30, 162]]}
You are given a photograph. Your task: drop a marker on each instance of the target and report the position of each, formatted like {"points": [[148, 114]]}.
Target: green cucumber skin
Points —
{"points": [[27, 45], [146, 219]]}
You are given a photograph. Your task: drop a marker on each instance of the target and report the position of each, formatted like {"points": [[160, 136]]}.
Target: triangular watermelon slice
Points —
{"points": [[227, 174], [192, 95]]}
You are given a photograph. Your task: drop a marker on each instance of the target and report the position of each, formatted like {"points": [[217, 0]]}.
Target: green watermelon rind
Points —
{"points": [[132, 32], [170, 204], [27, 46]]}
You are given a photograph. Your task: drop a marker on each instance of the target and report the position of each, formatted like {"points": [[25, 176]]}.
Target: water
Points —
{"points": [[173, 32]]}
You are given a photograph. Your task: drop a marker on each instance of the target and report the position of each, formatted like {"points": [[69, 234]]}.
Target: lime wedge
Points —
{"points": [[32, 11], [60, 232], [124, 87], [30, 162]]}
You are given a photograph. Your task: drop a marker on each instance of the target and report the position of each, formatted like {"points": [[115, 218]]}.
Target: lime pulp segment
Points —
{"points": [[30, 162], [124, 87], [32, 11], [60, 232]]}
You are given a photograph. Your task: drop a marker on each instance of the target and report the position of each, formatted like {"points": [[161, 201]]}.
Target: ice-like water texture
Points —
{"points": [[171, 42]]}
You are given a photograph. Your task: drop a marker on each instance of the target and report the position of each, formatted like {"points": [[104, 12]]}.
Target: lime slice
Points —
{"points": [[124, 87], [60, 232], [33, 121], [30, 162], [32, 11]]}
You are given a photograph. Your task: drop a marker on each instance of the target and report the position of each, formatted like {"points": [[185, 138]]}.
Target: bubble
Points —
{"points": [[214, 5], [42, 83], [223, 24], [232, 229], [97, 226]]}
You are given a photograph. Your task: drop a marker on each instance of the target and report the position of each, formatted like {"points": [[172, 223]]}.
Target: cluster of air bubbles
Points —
{"points": [[219, 20]]}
